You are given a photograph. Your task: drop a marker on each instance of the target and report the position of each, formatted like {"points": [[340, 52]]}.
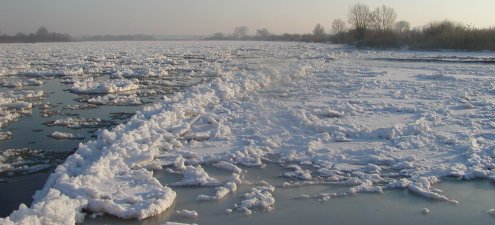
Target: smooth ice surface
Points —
{"points": [[328, 114]]}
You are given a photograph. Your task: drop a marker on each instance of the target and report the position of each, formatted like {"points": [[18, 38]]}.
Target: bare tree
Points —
{"points": [[318, 33], [338, 26], [319, 30], [240, 32], [402, 26], [360, 17], [383, 18]]}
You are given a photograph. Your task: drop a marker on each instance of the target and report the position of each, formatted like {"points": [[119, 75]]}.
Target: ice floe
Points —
{"points": [[103, 87], [14, 104], [258, 197], [425, 211], [196, 176], [73, 122], [188, 213], [64, 135]]}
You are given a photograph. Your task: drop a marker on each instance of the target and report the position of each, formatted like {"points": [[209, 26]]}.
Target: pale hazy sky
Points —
{"points": [[200, 17]]}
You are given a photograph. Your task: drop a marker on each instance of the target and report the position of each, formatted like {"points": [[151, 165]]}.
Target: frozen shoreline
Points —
{"points": [[377, 127]]}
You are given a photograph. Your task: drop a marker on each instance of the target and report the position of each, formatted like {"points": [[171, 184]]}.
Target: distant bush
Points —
{"points": [[346, 37], [439, 35], [380, 39], [448, 35]]}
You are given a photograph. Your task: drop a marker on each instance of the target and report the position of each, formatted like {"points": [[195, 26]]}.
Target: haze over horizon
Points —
{"points": [[200, 17]]}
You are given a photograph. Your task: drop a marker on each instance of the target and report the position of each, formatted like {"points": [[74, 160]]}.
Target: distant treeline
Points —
{"points": [[44, 35], [241, 33], [270, 37], [133, 37], [378, 28], [41, 35]]}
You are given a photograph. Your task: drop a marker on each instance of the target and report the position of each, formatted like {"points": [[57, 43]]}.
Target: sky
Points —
{"points": [[203, 17]]}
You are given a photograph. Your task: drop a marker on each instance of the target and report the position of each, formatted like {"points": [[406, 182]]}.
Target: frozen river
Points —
{"points": [[245, 133]]}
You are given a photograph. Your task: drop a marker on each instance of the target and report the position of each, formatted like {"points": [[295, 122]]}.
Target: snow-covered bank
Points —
{"points": [[326, 114]]}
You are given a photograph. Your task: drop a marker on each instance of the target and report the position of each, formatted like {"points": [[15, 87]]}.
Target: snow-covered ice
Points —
{"points": [[258, 197], [196, 176], [112, 99], [327, 113], [5, 135], [14, 104], [103, 87]]}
